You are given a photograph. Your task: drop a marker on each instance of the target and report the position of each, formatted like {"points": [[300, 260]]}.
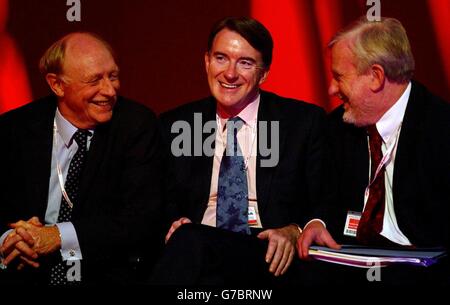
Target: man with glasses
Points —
{"points": [[237, 206]]}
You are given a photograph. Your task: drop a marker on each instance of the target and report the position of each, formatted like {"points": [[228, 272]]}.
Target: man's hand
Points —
{"points": [[19, 244], [281, 249], [46, 238], [316, 233], [175, 225]]}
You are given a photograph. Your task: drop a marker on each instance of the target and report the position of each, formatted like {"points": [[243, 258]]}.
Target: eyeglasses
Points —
{"points": [[242, 65]]}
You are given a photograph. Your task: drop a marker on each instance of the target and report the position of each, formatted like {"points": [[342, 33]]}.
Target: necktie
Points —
{"points": [[232, 192], [371, 222], [58, 273]]}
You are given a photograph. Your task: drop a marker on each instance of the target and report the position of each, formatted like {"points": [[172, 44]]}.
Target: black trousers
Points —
{"points": [[203, 255]]}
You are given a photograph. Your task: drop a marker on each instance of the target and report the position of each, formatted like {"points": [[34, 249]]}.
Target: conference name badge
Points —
{"points": [[351, 223], [252, 220]]}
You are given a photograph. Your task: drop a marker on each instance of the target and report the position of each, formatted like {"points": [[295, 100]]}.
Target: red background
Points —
{"points": [[161, 43]]}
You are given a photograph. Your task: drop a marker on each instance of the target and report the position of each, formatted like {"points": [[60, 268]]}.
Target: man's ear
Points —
{"points": [[265, 73], [377, 77], [207, 61], [55, 83]]}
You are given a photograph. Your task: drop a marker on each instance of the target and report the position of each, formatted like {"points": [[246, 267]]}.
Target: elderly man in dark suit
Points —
{"points": [[255, 172], [390, 140], [79, 173]]}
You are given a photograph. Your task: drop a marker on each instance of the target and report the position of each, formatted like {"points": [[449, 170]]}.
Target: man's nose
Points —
{"points": [[231, 72], [108, 87], [333, 89]]}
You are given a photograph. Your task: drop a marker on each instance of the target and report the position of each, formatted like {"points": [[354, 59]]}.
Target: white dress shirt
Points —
{"points": [[389, 127]]}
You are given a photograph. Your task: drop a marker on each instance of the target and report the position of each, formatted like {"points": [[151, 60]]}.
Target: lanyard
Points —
{"points": [[249, 153], [392, 142], [58, 166]]}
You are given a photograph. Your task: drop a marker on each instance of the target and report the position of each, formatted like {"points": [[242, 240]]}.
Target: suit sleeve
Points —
{"points": [[319, 170], [5, 139]]}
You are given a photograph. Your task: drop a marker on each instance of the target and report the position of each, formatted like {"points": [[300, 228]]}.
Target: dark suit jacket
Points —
{"points": [[421, 170], [286, 193], [120, 193]]}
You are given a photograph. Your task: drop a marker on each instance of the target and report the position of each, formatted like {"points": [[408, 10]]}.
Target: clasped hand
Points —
{"points": [[28, 241]]}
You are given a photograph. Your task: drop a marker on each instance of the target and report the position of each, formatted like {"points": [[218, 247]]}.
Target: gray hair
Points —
{"points": [[380, 42]]}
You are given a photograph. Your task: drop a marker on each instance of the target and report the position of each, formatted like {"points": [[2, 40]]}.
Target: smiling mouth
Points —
{"points": [[104, 104], [229, 86]]}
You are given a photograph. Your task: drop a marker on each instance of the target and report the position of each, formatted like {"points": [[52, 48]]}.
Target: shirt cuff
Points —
{"points": [[70, 247], [315, 219], [2, 240], [3, 237]]}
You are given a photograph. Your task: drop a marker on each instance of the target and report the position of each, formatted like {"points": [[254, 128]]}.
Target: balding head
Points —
{"points": [[54, 57]]}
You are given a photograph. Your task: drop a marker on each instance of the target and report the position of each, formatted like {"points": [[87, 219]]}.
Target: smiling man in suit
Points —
{"points": [[239, 205], [390, 140], [79, 173]]}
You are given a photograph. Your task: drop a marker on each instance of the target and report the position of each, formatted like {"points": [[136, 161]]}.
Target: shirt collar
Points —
{"points": [[249, 114], [391, 120], [65, 129]]}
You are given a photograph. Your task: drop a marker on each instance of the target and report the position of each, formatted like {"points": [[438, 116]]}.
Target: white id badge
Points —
{"points": [[252, 220], [351, 223]]}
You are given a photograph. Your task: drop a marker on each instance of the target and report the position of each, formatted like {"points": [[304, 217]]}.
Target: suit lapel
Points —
{"points": [[407, 144], [204, 164], [267, 112], [37, 149], [96, 154], [358, 158]]}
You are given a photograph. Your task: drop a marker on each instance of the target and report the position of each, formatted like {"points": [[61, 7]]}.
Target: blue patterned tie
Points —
{"points": [[232, 192]]}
